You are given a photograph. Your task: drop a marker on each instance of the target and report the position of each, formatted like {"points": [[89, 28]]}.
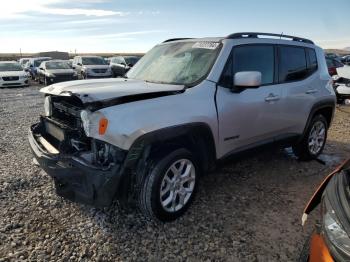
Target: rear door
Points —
{"points": [[251, 116], [300, 86]]}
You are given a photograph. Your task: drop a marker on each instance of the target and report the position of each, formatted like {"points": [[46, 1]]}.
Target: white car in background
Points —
{"points": [[342, 84], [12, 74]]}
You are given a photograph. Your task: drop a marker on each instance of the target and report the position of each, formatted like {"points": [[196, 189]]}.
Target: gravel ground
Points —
{"points": [[247, 210]]}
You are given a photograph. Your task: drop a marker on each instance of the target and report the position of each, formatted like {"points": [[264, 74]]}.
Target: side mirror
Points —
{"points": [[26, 69], [73, 67], [247, 79], [31, 66], [79, 64], [41, 68]]}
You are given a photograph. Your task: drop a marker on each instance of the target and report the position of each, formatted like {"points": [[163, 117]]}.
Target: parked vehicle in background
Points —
{"points": [[341, 84], [346, 60], [91, 67], [332, 65], [12, 74], [330, 241], [186, 104], [23, 61], [33, 64], [333, 56], [120, 65], [55, 71]]}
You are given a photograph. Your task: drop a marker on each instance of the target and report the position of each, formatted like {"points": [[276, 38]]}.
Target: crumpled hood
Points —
{"points": [[12, 73], [105, 89]]}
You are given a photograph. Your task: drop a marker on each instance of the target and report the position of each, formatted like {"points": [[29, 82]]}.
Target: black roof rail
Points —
{"points": [[176, 39], [256, 34]]}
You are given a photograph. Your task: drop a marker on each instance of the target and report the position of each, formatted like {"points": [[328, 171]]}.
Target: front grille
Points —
{"points": [[10, 78], [66, 113], [63, 77], [99, 71]]}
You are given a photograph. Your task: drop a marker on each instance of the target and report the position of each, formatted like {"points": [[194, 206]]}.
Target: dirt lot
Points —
{"points": [[247, 210]]}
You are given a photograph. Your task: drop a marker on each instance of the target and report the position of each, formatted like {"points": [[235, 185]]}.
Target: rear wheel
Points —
{"points": [[314, 140], [169, 188]]}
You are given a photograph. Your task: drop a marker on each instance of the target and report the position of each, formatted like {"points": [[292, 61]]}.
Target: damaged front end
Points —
{"points": [[84, 169]]}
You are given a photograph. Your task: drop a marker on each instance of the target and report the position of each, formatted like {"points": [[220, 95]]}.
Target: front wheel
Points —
{"points": [[314, 140], [169, 188]]}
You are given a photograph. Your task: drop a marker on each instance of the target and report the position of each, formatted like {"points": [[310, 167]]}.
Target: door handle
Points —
{"points": [[311, 91], [272, 98]]}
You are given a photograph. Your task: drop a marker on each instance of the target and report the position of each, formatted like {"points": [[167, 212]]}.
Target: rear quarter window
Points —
{"points": [[312, 60]]}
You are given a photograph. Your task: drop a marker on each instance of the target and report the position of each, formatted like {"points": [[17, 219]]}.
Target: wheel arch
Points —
{"points": [[325, 108], [197, 137]]}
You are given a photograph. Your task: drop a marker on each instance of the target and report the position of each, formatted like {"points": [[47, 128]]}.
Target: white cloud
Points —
{"points": [[78, 11], [16, 9]]}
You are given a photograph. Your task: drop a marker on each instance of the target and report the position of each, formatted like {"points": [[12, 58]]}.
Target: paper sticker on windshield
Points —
{"points": [[206, 45]]}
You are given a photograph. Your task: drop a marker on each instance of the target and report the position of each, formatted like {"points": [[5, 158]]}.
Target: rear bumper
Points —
{"points": [[75, 178]]}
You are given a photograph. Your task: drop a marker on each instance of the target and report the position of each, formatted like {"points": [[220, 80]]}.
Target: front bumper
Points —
{"points": [[59, 79], [91, 74], [75, 178], [15, 83]]}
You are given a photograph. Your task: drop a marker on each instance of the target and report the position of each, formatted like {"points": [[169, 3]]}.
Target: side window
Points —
{"points": [[259, 58], [292, 64], [312, 65]]}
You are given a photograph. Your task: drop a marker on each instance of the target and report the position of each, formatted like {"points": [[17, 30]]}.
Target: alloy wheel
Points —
{"points": [[177, 185]]}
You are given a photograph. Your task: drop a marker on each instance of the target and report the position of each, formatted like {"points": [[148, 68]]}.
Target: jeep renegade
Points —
{"points": [[148, 137]]}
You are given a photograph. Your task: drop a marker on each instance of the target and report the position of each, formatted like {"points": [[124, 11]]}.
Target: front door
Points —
{"points": [[250, 116]]}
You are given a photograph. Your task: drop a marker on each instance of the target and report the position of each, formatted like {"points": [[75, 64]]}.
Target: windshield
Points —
{"points": [[93, 61], [10, 67], [182, 63], [38, 62], [57, 65]]}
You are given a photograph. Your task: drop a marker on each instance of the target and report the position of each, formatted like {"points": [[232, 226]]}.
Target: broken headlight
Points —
{"points": [[333, 229], [48, 106]]}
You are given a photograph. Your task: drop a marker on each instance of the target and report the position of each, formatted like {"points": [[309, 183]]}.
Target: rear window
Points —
{"points": [[292, 64]]}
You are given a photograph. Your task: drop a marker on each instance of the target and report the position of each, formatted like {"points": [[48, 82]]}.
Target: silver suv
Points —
{"points": [[147, 138]]}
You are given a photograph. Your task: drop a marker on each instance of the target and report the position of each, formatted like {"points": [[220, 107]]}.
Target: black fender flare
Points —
{"points": [[163, 135], [327, 103]]}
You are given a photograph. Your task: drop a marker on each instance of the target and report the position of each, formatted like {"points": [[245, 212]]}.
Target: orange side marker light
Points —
{"points": [[102, 127]]}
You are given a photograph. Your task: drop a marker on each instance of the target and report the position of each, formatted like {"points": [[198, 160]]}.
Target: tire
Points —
{"points": [[153, 202], [307, 149]]}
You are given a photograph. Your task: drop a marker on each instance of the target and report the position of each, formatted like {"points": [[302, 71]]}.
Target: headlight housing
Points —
{"points": [[50, 75], [93, 123], [48, 106], [335, 234]]}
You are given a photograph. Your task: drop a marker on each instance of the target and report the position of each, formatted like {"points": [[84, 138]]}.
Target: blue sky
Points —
{"points": [[136, 26]]}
